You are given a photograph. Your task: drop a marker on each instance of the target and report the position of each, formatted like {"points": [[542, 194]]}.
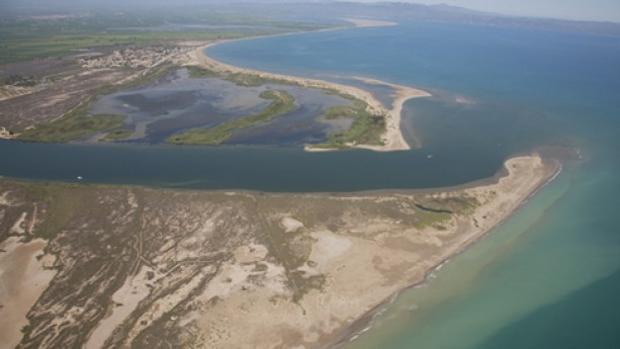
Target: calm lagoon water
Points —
{"points": [[177, 102], [547, 278]]}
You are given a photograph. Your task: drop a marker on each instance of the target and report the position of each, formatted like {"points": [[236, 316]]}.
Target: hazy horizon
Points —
{"points": [[595, 10]]}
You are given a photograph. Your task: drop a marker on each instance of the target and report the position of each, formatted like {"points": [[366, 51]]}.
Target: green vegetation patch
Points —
{"points": [[61, 203], [78, 123], [248, 80], [74, 125], [239, 79], [117, 135], [425, 219], [18, 49], [436, 212], [282, 103], [197, 72], [366, 128], [24, 39], [462, 204]]}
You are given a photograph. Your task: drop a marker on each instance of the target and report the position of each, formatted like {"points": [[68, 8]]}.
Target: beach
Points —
{"points": [[519, 180]]}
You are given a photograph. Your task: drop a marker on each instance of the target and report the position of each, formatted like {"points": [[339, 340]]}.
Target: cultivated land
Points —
{"points": [[115, 266]]}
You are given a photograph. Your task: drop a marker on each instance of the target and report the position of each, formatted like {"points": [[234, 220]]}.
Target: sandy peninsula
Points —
{"points": [[136, 266], [369, 23], [393, 139]]}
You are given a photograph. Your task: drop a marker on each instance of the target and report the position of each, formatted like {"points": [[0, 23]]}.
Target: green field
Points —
{"points": [[118, 134], [24, 39], [196, 72], [282, 103]]}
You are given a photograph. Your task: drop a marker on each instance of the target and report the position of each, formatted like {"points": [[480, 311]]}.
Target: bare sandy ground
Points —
{"points": [[126, 300], [393, 138], [379, 255], [23, 279], [8, 92]]}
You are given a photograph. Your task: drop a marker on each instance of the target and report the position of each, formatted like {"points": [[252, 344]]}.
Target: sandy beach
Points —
{"points": [[520, 179], [393, 139]]}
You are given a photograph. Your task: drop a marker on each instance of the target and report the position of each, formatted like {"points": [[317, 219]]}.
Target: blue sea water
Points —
{"points": [[549, 276]]}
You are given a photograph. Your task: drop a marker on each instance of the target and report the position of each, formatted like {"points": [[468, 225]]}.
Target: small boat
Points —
{"points": [[79, 178]]}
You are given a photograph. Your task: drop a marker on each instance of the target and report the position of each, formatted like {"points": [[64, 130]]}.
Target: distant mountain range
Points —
{"points": [[317, 10]]}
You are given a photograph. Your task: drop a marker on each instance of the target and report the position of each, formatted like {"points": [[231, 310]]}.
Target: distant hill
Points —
{"points": [[324, 11]]}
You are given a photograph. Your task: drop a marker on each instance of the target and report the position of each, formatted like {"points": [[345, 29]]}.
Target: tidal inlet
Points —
{"points": [[309, 175]]}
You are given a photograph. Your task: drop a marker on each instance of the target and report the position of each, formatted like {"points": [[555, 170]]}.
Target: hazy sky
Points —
{"points": [[601, 10], [575, 9]]}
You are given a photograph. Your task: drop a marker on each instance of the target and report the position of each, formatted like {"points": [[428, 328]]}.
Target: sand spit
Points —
{"points": [[378, 254], [367, 23], [393, 138], [240, 269]]}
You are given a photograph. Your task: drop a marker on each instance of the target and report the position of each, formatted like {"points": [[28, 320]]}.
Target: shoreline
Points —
{"points": [[366, 322], [393, 139]]}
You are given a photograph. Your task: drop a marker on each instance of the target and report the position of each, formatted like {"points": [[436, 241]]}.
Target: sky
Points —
{"points": [[600, 10]]}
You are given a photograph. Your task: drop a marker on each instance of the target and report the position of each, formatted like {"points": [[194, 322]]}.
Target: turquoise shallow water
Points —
{"points": [[549, 277]]}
